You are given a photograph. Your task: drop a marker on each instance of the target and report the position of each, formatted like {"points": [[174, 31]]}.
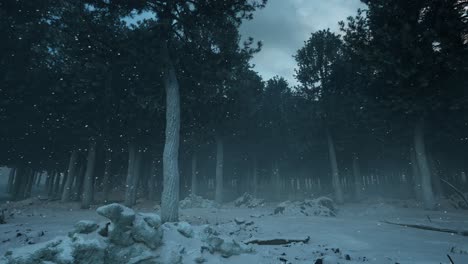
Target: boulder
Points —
{"points": [[122, 217], [194, 201], [321, 206], [185, 229], [247, 200], [146, 230], [85, 227]]}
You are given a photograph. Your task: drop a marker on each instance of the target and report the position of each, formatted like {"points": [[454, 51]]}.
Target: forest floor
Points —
{"points": [[357, 234]]}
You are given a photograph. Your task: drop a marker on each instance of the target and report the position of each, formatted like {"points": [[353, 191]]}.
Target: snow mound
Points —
{"points": [[131, 238], [247, 200], [321, 206], [195, 201]]}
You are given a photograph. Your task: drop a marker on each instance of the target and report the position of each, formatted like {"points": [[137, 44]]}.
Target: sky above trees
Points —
{"points": [[283, 26]]}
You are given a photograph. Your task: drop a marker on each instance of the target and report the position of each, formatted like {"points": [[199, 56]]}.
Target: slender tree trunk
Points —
{"points": [[80, 180], [152, 181], [50, 186], [11, 180], [137, 169], [219, 169], [357, 178], [255, 176], [435, 177], [194, 174], [56, 187], [30, 182], [421, 158], [170, 194], [106, 179], [334, 168], [72, 165], [130, 174], [276, 180], [39, 178], [416, 176], [87, 198]]}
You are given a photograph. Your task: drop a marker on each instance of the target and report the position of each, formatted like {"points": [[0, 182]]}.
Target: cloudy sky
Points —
{"points": [[284, 25]]}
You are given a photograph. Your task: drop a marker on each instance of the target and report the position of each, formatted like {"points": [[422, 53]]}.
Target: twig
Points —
{"points": [[457, 191], [451, 260]]}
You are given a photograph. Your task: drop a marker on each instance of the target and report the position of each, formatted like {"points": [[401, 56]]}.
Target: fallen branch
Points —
{"points": [[276, 241], [451, 260], [457, 191], [430, 228]]}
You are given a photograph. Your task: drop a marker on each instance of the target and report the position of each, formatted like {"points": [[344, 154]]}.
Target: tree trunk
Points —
{"points": [[137, 169], [255, 176], [80, 180], [194, 174], [50, 185], [416, 176], [219, 169], [106, 179], [11, 180], [87, 198], [423, 165], [130, 174], [334, 169], [39, 178], [71, 176], [435, 177], [152, 181], [170, 194], [276, 180], [357, 178]]}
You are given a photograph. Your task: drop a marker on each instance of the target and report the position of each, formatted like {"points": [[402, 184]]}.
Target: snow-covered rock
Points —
{"points": [[247, 200], [185, 229], [146, 230], [85, 227], [130, 238], [321, 206], [194, 201]]}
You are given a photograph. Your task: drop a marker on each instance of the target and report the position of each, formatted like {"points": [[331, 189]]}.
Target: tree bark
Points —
{"points": [[334, 168], [357, 178], [71, 176], [87, 198], [170, 194], [219, 169], [194, 174], [130, 174], [421, 159]]}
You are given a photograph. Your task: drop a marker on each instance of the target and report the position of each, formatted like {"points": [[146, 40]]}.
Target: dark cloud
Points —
{"points": [[284, 25]]}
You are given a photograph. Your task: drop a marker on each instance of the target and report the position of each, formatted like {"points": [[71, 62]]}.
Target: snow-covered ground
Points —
{"points": [[357, 234]]}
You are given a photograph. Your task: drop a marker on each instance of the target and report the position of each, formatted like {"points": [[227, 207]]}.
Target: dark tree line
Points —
{"points": [[102, 102]]}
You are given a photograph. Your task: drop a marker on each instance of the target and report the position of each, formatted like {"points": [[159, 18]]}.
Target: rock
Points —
{"points": [[463, 249], [133, 254], [185, 229], [117, 213], [171, 253], [321, 206], [146, 230], [226, 247], [122, 217], [85, 227], [88, 250], [239, 220], [247, 200], [194, 201]]}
